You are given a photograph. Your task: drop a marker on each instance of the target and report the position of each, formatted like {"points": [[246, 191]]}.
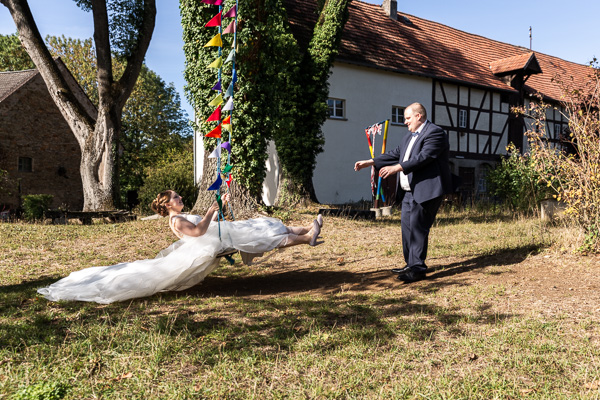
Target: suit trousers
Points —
{"points": [[416, 221]]}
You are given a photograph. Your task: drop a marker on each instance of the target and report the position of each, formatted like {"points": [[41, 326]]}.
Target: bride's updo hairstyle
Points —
{"points": [[159, 203]]}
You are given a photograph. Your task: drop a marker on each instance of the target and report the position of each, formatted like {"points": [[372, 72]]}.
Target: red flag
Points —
{"points": [[227, 120], [229, 180], [230, 28], [216, 133], [216, 115], [215, 21]]}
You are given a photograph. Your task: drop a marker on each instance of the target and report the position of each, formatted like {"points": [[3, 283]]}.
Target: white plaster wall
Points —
{"points": [[271, 182], [369, 95]]}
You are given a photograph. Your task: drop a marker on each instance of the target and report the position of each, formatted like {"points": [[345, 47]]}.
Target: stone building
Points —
{"points": [[37, 147]]}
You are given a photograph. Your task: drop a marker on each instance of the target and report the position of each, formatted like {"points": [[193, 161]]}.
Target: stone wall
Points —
{"points": [[32, 126]]}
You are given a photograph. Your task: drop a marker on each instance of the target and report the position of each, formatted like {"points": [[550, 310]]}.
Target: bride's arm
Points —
{"points": [[187, 228]]}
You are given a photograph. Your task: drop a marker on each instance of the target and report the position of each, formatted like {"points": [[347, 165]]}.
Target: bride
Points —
{"points": [[187, 261]]}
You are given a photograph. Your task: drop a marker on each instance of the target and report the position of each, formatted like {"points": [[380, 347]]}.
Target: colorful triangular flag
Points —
{"points": [[216, 153], [217, 184], [215, 41], [226, 146], [229, 180], [216, 133], [228, 105], [216, 115], [217, 63], [231, 13], [216, 101], [215, 21], [217, 86], [213, 2], [231, 28], [227, 123], [227, 169], [234, 76], [228, 92], [230, 57]]}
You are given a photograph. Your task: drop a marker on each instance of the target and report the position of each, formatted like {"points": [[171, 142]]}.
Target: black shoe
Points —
{"points": [[412, 276], [401, 270]]}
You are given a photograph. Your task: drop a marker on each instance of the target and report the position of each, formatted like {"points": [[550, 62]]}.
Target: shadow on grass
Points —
{"points": [[259, 310], [501, 257]]}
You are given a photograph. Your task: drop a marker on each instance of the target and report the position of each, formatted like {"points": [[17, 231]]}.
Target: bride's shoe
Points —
{"points": [[316, 231]]}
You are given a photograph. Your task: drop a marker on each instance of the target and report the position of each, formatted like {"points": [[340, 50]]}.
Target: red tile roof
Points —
{"points": [[522, 62], [414, 45], [10, 81]]}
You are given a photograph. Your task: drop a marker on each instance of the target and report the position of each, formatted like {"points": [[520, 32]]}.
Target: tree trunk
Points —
{"points": [[290, 194], [242, 203], [96, 134], [97, 166]]}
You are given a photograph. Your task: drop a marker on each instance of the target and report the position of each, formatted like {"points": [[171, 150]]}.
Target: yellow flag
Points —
{"points": [[216, 101], [216, 41], [217, 63]]}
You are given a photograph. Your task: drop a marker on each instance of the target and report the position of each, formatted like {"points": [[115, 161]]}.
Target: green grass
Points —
{"points": [[428, 341]]}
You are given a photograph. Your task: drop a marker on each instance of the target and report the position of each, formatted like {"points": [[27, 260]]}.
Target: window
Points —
{"points": [[25, 164], [397, 115], [336, 108], [462, 118], [557, 130]]}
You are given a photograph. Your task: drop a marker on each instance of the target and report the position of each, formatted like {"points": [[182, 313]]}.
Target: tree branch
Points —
{"points": [[138, 53], [40, 55]]}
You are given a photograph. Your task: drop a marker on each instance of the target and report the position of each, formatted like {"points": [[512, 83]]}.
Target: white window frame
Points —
{"points": [[397, 112], [336, 106], [557, 130], [462, 118]]}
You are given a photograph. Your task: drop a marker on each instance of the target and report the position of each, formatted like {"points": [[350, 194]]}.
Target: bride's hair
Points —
{"points": [[158, 204]]}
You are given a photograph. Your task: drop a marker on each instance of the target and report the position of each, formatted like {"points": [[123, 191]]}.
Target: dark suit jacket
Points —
{"points": [[427, 168]]}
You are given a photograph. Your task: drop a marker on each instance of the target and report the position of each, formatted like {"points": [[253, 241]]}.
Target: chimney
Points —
{"points": [[391, 8]]}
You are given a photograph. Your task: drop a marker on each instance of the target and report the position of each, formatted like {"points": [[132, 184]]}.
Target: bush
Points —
{"points": [[176, 172], [517, 182], [570, 165], [35, 205]]}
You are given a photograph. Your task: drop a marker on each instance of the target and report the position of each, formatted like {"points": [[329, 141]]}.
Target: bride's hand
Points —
{"points": [[225, 197]]}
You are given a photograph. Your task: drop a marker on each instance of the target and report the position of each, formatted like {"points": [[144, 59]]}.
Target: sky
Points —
{"points": [[563, 29]]}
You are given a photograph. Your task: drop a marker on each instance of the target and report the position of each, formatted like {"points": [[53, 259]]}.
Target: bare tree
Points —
{"points": [[96, 134]]}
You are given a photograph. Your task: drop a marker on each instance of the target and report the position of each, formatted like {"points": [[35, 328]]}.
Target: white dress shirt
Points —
{"points": [[404, 184]]}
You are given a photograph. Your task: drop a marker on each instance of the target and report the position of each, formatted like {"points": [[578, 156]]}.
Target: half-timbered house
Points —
{"points": [[468, 83]]}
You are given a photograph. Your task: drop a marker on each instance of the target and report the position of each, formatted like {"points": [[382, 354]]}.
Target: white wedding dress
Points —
{"points": [[180, 266]]}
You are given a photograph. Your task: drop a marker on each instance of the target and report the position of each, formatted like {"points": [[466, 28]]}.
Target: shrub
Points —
{"points": [[517, 181], [174, 171], [35, 205], [570, 165]]}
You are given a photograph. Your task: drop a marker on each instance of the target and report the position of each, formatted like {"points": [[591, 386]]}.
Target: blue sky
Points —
{"points": [[564, 29]]}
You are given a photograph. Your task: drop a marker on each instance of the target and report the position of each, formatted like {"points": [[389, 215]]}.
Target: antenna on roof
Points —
{"points": [[530, 38]]}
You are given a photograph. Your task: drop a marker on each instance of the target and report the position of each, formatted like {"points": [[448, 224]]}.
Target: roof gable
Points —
{"points": [[11, 81], [525, 63]]}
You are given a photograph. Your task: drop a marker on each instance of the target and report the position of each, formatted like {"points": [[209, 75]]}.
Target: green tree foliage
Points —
{"points": [[152, 119], [173, 171], [13, 56], [153, 123], [299, 146], [281, 90]]}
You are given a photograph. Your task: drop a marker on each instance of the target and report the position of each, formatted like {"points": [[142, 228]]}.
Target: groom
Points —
{"points": [[422, 163]]}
